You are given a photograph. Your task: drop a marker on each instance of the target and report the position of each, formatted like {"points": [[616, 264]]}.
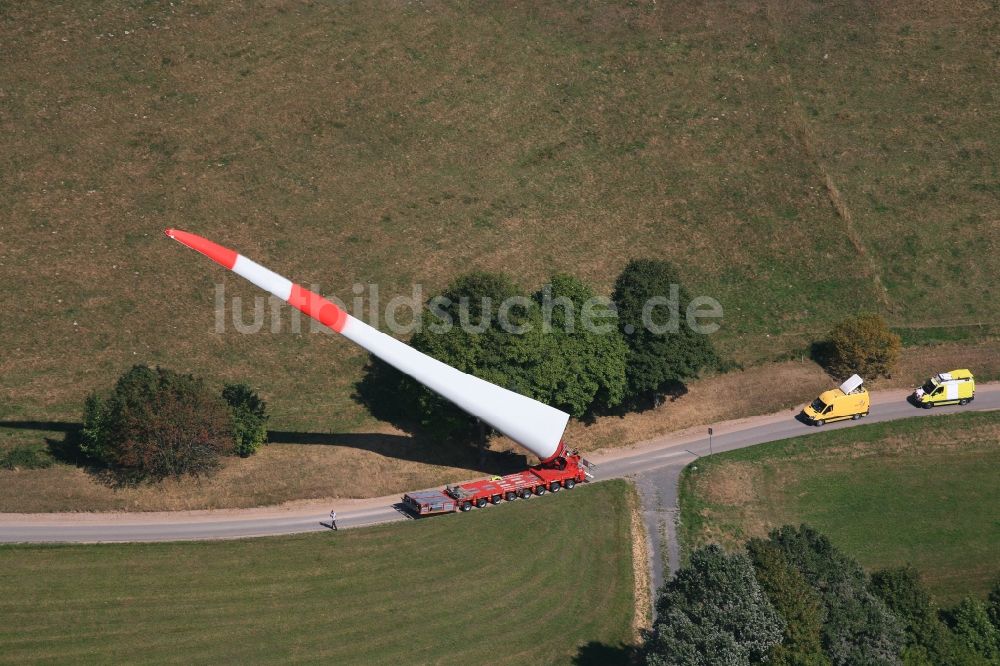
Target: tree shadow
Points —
{"points": [[671, 392], [45, 426], [419, 449], [821, 353], [602, 654], [389, 395]]}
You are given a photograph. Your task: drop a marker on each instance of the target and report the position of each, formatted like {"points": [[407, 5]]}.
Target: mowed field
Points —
{"points": [[909, 492], [512, 584], [798, 161]]}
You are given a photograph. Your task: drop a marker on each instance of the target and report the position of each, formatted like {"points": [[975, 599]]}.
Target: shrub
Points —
{"points": [[22, 456], [863, 345], [157, 423], [248, 414]]}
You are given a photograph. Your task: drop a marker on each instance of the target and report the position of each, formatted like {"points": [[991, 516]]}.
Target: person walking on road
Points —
{"points": [[333, 520]]}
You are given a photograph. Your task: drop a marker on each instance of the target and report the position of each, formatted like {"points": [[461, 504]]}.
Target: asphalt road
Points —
{"points": [[654, 464]]}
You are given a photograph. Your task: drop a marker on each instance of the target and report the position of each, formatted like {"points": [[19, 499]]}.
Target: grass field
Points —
{"points": [[798, 161], [913, 491], [516, 584]]}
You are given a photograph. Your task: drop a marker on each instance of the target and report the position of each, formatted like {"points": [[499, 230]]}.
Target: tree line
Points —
{"points": [[795, 599], [546, 354]]}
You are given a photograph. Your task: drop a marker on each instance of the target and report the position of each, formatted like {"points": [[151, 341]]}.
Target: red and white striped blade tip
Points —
{"points": [[215, 252]]}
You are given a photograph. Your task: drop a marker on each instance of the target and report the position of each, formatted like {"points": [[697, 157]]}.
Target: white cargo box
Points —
{"points": [[852, 383]]}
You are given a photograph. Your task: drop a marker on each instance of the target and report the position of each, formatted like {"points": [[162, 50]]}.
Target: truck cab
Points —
{"points": [[848, 401], [957, 387]]}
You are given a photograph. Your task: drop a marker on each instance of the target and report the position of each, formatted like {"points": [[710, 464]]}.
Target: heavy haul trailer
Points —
{"points": [[534, 425], [536, 480]]}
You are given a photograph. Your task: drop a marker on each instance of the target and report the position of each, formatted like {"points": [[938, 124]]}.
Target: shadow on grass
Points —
{"points": [[821, 353], [601, 654], [414, 449]]}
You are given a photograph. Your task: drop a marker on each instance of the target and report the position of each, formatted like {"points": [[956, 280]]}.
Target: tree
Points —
{"points": [[248, 415], [863, 345], [858, 628], [971, 625], [713, 612], [582, 366], [484, 325], [800, 606], [928, 640], [157, 423], [664, 351], [993, 605]]}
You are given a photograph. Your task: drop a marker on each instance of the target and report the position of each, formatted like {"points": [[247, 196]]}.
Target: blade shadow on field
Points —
{"points": [[402, 447], [412, 448]]}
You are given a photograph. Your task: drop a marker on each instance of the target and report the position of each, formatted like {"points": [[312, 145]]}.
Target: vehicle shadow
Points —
{"points": [[801, 418], [419, 449]]}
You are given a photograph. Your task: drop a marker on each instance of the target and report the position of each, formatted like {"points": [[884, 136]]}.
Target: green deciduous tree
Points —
{"points": [[248, 415], [537, 345], [993, 605], [970, 623], [713, 612], [658, 360], [157, 423], [858, 628], [582, 366], [800, 606], [863, 345], [928, 640]]}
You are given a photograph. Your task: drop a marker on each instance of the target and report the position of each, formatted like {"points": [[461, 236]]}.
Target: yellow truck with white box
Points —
{"points": [[957, 387], [850, 400]]}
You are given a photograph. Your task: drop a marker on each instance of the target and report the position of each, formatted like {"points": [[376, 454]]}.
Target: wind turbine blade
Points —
{"points": [[532, 424]]}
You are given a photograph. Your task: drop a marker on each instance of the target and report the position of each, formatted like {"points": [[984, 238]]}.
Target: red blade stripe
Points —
{"points": [[217, 253], [317, 307]]}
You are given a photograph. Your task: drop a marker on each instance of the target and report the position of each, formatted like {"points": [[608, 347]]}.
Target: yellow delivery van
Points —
{"points": [[957, 387], [848, 401]]}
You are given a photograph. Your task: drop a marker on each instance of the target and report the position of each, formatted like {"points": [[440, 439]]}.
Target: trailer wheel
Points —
{"points": [[466, 506], [496, 499], [856, 417], [510, 496], [554, 487], [928, 405], [570, 483], [820, 422], [481, 502], [539, 490], [526, 493], [963, 402]]}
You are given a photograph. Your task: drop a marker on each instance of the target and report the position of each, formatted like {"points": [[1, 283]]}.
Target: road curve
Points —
{"points": [[662, 457]]}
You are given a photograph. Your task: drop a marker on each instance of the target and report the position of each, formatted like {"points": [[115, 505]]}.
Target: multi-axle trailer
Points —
{"points": [[568, 471]]}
